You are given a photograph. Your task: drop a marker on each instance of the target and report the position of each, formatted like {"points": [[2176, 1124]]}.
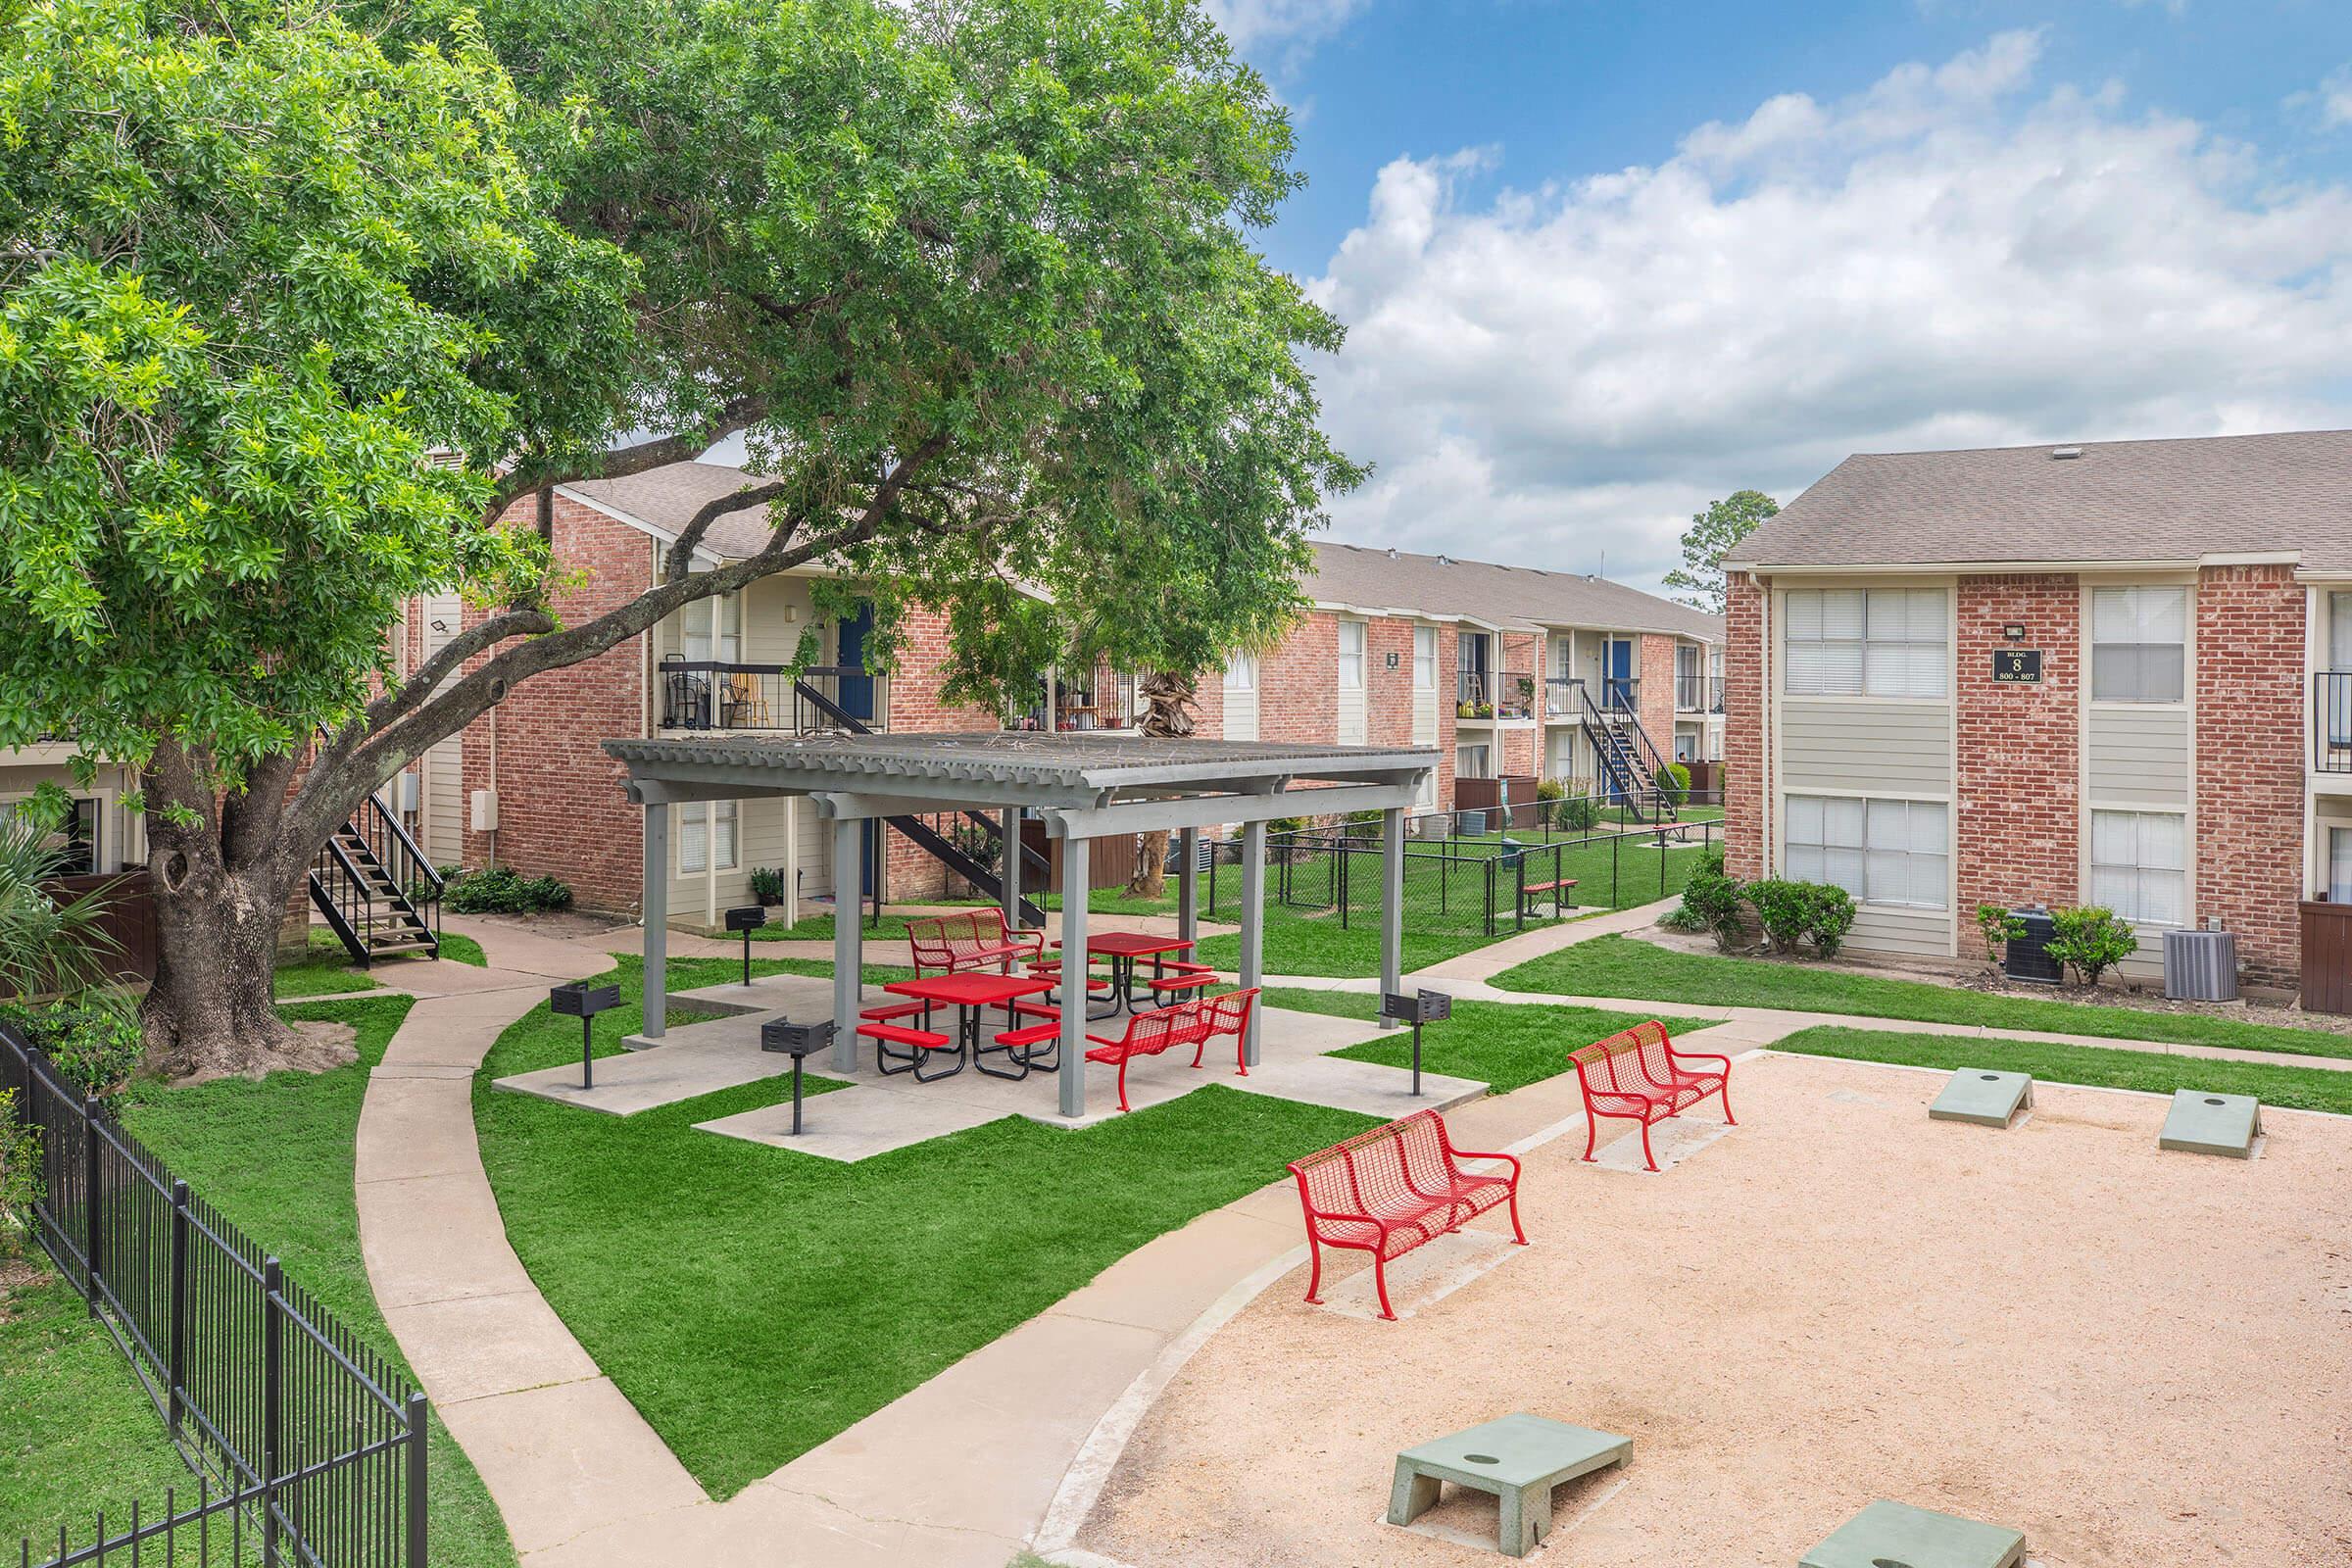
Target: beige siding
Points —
{"points": [[1241, 712], [441, 785], [1881, 928], [2137, 755], [1865, 747], [1425, 717]]}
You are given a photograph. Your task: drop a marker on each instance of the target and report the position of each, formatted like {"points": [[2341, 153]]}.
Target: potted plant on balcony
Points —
{"points": [[1526, 694], [1465, 710], [1485, 711], [767, 886]]}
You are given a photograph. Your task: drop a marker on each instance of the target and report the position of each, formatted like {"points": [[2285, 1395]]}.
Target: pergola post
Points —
{"points": [[1075, 853], [1392, 905], [848, 957], [1009, 868], [1253, 924], [1188, 884], [654, 900]]}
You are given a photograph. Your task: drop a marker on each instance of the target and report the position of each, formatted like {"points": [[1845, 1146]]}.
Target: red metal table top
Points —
{"points": [[1134, 944], [969, 990]]}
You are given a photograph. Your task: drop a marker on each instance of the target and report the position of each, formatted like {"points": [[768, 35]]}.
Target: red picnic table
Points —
{"points": [[1124, 949], [972, 993]]}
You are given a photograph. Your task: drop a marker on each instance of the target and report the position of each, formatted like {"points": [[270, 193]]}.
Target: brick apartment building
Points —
{"points": [[2100, 673], [1501, 668]]}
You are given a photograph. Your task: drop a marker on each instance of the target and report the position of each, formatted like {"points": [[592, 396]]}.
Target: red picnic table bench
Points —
{"points": [[976, 939], [1194, 1021], [1388, 1190], [1637, 1074]]}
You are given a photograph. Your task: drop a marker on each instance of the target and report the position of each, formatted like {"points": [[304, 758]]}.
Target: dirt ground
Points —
{"points": [[2138, 1358]]}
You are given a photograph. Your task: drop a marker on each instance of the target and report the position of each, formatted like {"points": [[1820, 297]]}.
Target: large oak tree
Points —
{"points": [[973, 280]]}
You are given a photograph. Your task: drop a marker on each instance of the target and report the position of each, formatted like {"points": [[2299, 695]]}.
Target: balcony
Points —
{"points": [[1102, 698], [1698, 694], [1563, 697], [2331, 723], [706, 694], [1485, 694], [1620, 694]]}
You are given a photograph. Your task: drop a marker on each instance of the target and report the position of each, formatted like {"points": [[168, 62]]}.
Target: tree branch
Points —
{"points": [[680, 557], [459, 649], [659, 453]]}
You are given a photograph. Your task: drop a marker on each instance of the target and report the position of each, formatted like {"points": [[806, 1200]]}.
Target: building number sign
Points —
{"points": [[2016, 667]]}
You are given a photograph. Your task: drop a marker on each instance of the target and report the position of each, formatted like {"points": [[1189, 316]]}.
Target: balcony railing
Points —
{"points": [[1698, 694], [1100, 699], [715, 694], [1563, 697], [1620, 694], [1492, 694], [2332, 721]]}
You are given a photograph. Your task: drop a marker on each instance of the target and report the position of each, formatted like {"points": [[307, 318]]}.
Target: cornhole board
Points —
{"points": [[1895, 1535], [1518, 1457], [1984, 1097], [2212, 1124]]}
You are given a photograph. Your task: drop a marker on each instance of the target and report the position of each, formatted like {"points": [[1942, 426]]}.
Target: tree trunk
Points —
{"points": [[212, 1009], [1150, 879]]}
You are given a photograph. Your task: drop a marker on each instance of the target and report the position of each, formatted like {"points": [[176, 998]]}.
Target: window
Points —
{"points": [[75, 840], [2139, 866], [707, 837], [1879, 642], [713, 629], [1425, 658], [1881, 852], [1470, 761], [2138, 640], [1352, 655], [2339, 865], [1240, 673], [2339, 630]]}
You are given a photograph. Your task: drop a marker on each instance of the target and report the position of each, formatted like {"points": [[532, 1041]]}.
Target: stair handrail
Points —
{"points": [[328, 902]]}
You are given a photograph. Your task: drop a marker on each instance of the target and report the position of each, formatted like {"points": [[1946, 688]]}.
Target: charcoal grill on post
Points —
{"points": [[798, 1039], [582, 1000], [747, 919], [1422, 1007]]}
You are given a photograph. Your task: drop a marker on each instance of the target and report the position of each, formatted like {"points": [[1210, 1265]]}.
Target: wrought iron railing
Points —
{"points": [[721, 694], [1495, 694], [1102, 698], [1563, 697], [1698, 694], [2332, 721]]}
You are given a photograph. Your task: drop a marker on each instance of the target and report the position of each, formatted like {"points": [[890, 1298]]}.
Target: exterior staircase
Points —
{"points": [[379, 895], [930, 839], [1630, 763]]}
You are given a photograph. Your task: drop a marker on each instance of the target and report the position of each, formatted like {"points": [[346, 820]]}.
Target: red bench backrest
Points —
{"points": [[1187, 1022], [1632, 1060], [1380, 1168], [951, 942]]}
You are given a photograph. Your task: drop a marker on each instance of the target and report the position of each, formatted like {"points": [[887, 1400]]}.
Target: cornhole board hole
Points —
{"points": [[1984, 1097], [1895, 1535], [1519, 1459], [2212, 1124]]}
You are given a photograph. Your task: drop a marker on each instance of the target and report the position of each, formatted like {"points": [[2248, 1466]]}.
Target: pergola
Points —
{"points": [[1081, 786]]}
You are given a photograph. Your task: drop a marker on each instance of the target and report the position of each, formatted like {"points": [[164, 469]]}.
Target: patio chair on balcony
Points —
{"points": [[743, 704]]}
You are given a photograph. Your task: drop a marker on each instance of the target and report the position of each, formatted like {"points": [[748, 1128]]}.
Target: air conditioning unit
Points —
{"points": [[485, 810]]}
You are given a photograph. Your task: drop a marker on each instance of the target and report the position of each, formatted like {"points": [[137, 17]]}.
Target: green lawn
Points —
{"points": [[753, 1302], [275, 1157], [891, 928], [2298, 1087], [1507, 1043], [327, 968], [1627, 966]]}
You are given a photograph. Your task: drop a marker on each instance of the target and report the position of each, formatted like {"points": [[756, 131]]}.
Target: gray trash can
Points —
{"points": [[2200, 966]]}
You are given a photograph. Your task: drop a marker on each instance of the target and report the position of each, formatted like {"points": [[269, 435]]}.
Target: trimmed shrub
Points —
{"points": [[1832, 918], [1999, 928], [1710, 901], [1793, 913], [2091, 940], [502, 890], [1577, 813], [94, 1040], [1675, 784]]}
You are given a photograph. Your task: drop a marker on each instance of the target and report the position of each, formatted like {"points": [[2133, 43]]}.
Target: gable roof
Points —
{"points": [[666, 499], [1521, 598], [2285, 496]]}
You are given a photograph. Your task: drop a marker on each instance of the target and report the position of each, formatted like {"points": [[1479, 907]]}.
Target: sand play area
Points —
{"points": [[2138, 1358]]}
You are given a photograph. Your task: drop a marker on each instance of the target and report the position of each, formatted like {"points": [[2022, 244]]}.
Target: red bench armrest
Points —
{"points": [[1672, 1055], [1511, 1160]]}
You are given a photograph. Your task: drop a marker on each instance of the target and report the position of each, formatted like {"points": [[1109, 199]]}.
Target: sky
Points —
{"points": [[1603, 261]]}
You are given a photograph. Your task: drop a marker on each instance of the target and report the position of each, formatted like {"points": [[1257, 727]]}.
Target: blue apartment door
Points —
{"points": [[857, 691], [1621, 672]]}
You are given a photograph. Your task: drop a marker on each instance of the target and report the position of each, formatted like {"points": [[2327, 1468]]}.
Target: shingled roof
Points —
{"points": [[2180, 501], [667, 498], [1363, 577]]}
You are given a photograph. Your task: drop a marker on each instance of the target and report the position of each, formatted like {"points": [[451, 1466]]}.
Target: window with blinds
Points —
{"points": [[1881, 852], [1241, 675], [707, 837], [2139, 866], [1425, 658], [1352, 655], [2138, 645], [1854, 642]]}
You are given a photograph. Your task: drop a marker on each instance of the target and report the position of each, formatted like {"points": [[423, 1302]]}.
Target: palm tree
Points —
{"points": [[47, 949], [1167, 715]]}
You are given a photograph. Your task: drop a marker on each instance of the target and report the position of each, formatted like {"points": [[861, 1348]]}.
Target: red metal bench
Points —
{"points": [[1637, 1074], [921, 1045], [1388, 1190], [1179, 975], [1193, 1022], [970, 939]]}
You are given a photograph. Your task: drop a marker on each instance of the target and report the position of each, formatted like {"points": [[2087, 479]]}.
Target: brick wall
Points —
{"points": [[2019, 771], [1743, 751], [1388, 693], [2250, 726], [560, 804], [1517, 751], [1654, 664], [908, 871], [1298, 683]]}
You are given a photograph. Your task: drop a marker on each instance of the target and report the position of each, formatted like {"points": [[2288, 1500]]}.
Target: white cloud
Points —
{"points": [[1951, 258], [1288, 25], [2335, 97]]}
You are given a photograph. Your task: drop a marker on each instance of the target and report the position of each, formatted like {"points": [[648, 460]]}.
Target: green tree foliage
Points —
{"points": [[1698, 580], [296, 303]]}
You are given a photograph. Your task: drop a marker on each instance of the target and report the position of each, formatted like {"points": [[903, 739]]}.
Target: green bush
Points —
{"points": [[502, 890], [20, 1176], [1577, 813], [1363, 825], [1793, 913], [1999, 928], [1711, 900], [767, 884], [2091, 940], [94, 1040], [1675, 784]]}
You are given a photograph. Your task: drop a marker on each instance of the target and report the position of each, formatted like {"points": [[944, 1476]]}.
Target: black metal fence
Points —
{"points": [[1471, 872], [307, 1447]]}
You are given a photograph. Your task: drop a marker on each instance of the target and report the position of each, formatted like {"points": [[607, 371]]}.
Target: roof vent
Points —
{"points": [[1445, 560], [2066, 451], [1392, 552]]}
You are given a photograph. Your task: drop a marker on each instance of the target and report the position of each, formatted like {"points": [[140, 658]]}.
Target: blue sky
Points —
{"points": [[1602, 261]]}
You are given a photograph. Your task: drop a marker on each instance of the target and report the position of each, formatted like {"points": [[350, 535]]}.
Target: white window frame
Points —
{"points": [[1425, 658], [1871, 847], [721, 629], [1351, 660], [696, 820], [1240, 673], [1485, 760], [2133, 879], [2338, 868], [1867, 642], [2135, 608]]}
